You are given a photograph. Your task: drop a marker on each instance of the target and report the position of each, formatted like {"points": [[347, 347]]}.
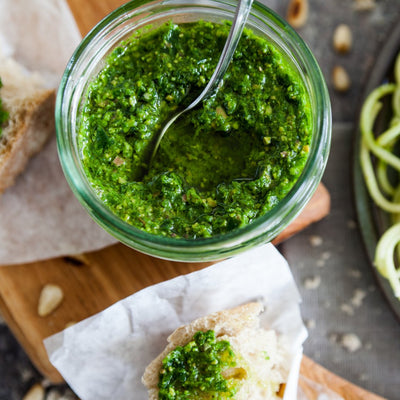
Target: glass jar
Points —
{"points": [[87, 62]]}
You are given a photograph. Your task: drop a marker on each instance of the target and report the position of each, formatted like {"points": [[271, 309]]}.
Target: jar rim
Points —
{"points": [[264, 227]]}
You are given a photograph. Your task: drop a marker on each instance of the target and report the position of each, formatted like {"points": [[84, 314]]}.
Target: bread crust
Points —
{"points": [[30, 124], [227, 322]]}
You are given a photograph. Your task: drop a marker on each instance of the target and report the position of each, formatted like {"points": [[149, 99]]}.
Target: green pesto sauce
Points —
{"points": [[3, 113], [221, 166], [194, 371]]}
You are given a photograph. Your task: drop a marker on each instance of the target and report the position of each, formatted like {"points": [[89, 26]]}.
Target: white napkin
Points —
{"points": [[104, 356], [40, 218]]}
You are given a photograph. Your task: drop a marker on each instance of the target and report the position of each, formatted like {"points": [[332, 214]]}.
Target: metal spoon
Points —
{"points": [[242, 12]]}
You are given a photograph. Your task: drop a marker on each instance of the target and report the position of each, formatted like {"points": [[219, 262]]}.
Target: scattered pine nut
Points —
{"points": [[341, 79], [50, 298], [351, 342], [297, 13], [312, 283], [342, 39], [364, 5], [316, 240], [36, 392]]}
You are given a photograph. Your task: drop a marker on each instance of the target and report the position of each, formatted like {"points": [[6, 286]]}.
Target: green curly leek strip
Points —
{"points": [[383, 179], [377, 180], [384, 257], [368, 144]]}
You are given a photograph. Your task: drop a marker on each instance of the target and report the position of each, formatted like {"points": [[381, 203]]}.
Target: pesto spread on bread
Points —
{"points": [[3, 112], [224, 355], [198, 370]]}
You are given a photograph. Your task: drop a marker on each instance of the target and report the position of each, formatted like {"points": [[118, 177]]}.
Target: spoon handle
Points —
{"points": [[238, 24], [241, 13]]}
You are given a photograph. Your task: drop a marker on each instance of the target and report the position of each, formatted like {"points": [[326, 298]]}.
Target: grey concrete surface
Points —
{"points": [[329, 262]]}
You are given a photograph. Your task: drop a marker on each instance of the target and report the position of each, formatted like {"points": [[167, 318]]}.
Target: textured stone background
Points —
{"points": [[340, 295], [330, 255]]}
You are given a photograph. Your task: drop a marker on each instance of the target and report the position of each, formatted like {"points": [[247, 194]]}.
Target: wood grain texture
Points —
{"points": [[89, 12], [315, 210], [92, 282], [317, 373]]}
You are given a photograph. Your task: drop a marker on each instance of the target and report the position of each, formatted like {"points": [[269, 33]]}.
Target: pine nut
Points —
{"points": [[50, 298], [297, 13], [342, 39], [341, 79]]}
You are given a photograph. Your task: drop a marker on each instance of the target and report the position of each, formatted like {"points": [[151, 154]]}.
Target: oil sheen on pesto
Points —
{"points": [[195, 371], [229, 162]]}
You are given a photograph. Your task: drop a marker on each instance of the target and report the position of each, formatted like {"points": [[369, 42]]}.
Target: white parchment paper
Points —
{"points": [[39, 217], [104, 357]]}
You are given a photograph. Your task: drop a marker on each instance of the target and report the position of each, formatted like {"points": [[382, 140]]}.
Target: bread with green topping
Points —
{"points": [[30, 118], [254, 360]]}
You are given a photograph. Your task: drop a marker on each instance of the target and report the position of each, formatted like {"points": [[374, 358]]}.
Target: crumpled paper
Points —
{"points": [[40, 218], [104, 356]]}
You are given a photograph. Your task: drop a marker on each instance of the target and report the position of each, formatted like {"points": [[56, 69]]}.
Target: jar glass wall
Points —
{"points": [[88, 60]]}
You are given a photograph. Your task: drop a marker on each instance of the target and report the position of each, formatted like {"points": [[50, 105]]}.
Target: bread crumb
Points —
{"points": [[55, 394], [347, 309], [26, 375], [333, 338], [364, 377], [316, 241], [354, 273], [355, 302], [320, 263], [310, 323], [350, 342], [358, 297], [46, 383], [326, 255], [312, 282]]}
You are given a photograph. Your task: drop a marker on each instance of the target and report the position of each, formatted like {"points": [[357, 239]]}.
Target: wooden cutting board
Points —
{"points": [[93, 281]]}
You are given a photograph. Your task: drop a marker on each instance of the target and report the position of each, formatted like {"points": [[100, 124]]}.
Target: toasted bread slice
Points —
{"points": [[264, 376], [30, 120]]}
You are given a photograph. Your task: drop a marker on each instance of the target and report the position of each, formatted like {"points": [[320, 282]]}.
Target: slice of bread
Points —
{"points": [[259, 352], [30, 120]]}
